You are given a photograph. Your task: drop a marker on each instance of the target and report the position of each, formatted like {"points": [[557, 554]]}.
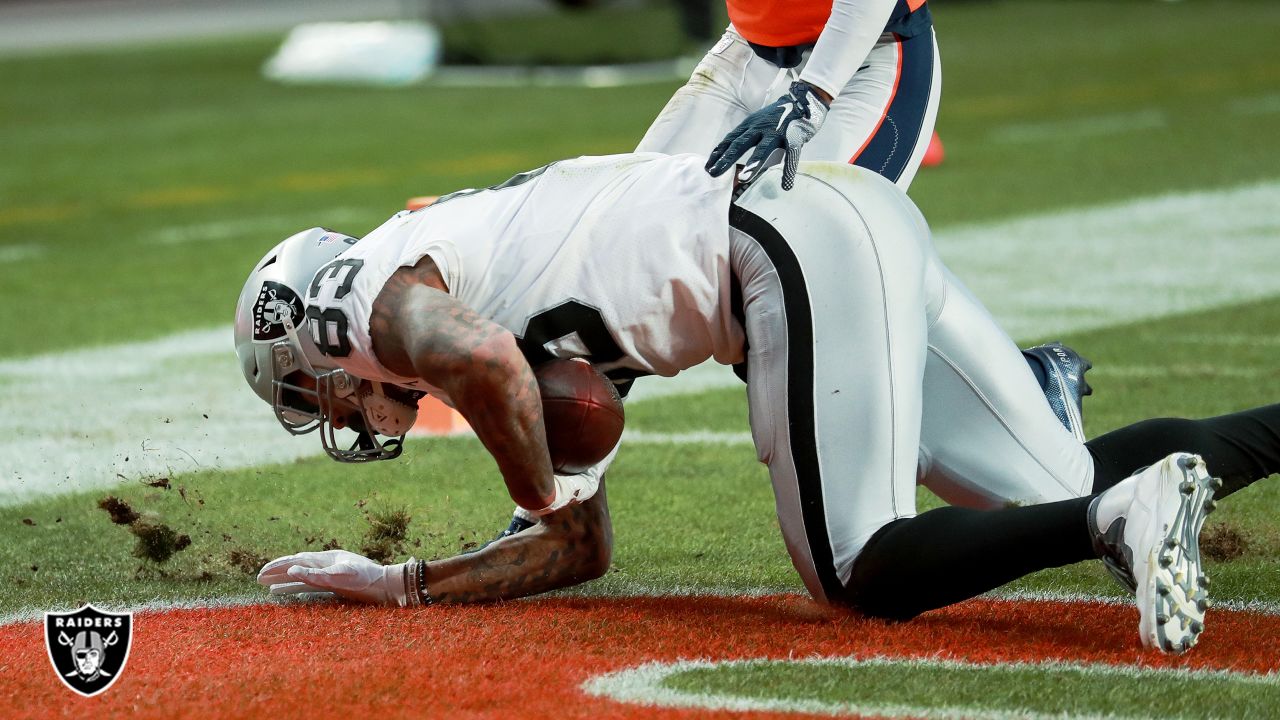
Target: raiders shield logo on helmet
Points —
{"points": [[88, 647], [275, 303]]}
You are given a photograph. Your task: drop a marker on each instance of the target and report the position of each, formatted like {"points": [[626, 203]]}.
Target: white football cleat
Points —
{"points": [[1157, 540]]}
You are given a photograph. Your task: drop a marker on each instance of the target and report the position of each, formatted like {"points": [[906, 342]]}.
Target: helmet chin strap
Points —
{"points": [[385, 414], [330, 386]]}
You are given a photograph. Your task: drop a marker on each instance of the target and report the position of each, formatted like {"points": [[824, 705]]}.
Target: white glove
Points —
{"points": [[570, 490], [343, 573]]}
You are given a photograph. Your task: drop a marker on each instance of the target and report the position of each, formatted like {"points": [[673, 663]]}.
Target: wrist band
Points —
{"points": [[415, 583], [410, 586]]}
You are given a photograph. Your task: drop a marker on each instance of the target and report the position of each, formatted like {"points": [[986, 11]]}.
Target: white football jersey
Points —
{"points": [[622, 259]]}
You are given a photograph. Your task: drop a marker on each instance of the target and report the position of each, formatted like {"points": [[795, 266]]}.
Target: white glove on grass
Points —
{"points": [[346, 574]]}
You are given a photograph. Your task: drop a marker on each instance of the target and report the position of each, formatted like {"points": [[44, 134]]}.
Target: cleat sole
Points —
{"points": [[1174, 599]]}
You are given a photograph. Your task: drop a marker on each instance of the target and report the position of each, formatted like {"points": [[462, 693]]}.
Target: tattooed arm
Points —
{"points": [[569, 547], [418, 330]]}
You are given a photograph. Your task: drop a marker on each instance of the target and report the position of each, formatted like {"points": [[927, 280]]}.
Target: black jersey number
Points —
{"points": [[514, 181], [328, 327], [342, 271], [568, 318]]}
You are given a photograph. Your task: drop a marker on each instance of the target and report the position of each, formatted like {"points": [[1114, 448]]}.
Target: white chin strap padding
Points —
{"points": [[386, 416]]}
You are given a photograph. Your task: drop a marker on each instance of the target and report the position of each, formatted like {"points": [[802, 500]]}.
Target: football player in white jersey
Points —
{"points": [[867, 364]]}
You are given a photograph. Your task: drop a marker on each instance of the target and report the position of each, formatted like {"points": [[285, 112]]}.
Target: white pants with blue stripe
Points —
{"points": [[881, 120], [870, 366]]}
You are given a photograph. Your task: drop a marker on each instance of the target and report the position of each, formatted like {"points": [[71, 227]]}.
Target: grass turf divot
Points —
{"points": [[532, 658]]}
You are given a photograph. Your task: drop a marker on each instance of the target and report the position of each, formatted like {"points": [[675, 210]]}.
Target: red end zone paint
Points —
{"points": [[528, 659]]}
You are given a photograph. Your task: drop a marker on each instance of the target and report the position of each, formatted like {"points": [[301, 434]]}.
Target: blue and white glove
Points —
{"points": [[790, 122]]}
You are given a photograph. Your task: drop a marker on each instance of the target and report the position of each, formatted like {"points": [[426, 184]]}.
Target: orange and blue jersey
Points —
{"points": [[786, 23]]}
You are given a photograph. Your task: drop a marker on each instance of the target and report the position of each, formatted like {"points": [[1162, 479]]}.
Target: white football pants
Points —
{"points": [[881, 120], [870, 362]]}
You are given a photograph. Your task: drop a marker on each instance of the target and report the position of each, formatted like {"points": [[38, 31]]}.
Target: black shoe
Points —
{"points": [[1065, 386]]}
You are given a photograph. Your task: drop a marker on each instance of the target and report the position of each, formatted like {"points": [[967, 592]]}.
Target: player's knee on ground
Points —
{"points": [[876, 587]]}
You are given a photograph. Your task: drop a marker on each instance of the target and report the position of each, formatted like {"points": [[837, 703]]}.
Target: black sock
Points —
{"points": [[951, 554], [1241, 448], [1037, 369]]}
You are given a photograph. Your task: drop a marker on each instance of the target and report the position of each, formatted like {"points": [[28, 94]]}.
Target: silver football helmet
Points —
{"points": [[280, 358]]}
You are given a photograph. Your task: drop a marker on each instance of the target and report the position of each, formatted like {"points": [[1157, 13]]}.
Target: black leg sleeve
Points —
{"points": [[1241, 448], [951, 554]]}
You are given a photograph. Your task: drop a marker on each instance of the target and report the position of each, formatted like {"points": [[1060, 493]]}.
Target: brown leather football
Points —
{"points": [[582, 412]]}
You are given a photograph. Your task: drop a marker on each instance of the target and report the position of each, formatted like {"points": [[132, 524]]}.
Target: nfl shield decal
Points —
{"points": [[88, 647]]}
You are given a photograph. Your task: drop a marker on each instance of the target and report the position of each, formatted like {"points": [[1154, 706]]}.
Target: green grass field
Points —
{"points": [[148, 179]]}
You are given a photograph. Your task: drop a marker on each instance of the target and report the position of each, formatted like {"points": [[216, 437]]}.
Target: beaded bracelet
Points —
{"points": [[420, 584]]}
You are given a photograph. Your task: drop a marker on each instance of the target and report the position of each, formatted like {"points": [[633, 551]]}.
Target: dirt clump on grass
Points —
{"points": [[157, 541], [384, 541], [1222, 542], [246, 561], [120, 511]]}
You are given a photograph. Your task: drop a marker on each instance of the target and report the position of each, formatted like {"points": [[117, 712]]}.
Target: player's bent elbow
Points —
{"points": [[464, 361], [499, 352], [486, 371]]}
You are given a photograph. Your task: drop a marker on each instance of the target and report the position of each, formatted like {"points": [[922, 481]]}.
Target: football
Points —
{"points": [[582, 412]]}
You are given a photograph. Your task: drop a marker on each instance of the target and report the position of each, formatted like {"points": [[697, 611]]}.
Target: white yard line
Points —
{"points": [[1082, 127], [1233, 339], [77, 420], [646, 685], [1098, 267], [18, 253], [1206, 370], [30, 27], [699, 437], [31, 614], [35, 613], [1117, 123], [1259, 607], [1259, 105], [239, 227]]}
